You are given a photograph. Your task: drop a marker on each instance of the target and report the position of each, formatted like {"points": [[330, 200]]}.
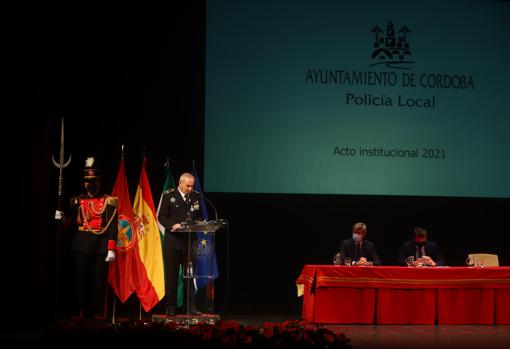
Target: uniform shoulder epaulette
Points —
{"points": [[112, 200], [171, 190]]}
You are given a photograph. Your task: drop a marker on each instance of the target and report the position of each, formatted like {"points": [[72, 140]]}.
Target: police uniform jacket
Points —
{"points": [[175, 210]]}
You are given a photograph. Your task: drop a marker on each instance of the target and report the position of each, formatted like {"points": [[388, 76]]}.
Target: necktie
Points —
{"points": [[418, 252], [358, 251], [187, 205]]}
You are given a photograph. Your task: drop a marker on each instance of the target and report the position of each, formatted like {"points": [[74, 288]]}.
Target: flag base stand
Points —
{"points": [[187, 319]]}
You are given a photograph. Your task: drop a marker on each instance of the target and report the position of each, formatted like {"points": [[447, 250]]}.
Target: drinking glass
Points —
{"points": [[479, 263], [337, 260], [348, 261], [410, 261], [470, 262]]}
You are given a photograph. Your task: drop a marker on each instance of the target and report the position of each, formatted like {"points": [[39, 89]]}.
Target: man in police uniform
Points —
{"points": [[95, 223], [178, 207]]}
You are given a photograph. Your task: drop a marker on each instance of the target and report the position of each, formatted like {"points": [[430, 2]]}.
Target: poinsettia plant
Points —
{"points": [[223, 334]]}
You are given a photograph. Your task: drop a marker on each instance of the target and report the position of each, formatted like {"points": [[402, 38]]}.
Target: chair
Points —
{"points": [[489, 260]]}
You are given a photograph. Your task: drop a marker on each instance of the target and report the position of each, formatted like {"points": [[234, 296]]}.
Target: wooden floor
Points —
{"points": [[399, 336], [367, 336], [423, 336]]}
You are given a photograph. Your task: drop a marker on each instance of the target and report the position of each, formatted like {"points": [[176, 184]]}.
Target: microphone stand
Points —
{"points": [[210, 203]]}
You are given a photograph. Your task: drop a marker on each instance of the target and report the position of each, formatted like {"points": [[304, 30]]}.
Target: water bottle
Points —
{"points": [[337, 260], [190, 269]]}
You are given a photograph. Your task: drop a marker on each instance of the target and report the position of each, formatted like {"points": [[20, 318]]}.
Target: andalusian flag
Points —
{"points": [[121, 274], [150, 287], [170, 184]]}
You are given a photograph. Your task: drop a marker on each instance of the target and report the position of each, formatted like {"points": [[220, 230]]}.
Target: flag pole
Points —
{"points": [[139, 302], [113, 293], [113, 311]]}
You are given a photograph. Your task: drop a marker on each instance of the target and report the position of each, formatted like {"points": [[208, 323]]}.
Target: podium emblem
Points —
{"points": [[202, 249]]}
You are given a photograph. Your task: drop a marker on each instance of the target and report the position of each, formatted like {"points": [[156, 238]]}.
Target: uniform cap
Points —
{"points": [[91, 171]]}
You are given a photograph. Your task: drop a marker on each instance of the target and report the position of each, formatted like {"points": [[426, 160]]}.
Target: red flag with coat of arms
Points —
{"points": [[121, 271]]}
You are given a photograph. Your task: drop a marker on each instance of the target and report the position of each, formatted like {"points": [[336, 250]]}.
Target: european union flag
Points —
{"points": [[206, 267]]}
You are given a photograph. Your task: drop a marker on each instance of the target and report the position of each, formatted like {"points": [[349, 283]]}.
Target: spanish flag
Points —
{"points": [[150, 286]]}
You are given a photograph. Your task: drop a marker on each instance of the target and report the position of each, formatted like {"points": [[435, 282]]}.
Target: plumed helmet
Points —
{"points": [[91, 172]]}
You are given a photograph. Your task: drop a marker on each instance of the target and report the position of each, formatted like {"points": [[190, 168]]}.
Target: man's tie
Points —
{"points": [[358, 251], [418, 253], [187, 205]]}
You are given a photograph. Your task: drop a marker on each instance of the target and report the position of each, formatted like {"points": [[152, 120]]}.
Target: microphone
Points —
{"points": [[208, 201]]}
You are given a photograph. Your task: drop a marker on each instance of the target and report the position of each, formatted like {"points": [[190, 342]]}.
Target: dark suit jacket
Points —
{"points": [[174, 210], [431, 250], [348, 249]]}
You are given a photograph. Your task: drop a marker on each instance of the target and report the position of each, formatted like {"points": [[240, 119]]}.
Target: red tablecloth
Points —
{"points": [[401, 295]]}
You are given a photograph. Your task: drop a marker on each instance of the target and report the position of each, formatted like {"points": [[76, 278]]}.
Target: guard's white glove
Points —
{"points": [[59, 215], [110, 256]]}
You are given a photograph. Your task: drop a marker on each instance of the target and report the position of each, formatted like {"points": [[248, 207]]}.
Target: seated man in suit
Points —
{"points": [[426, 253], [362, 252]]}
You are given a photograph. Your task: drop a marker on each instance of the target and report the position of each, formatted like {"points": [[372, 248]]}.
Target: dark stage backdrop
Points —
{"points": [[134, 75]]}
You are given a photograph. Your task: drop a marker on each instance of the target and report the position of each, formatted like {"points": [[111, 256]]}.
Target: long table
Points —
{"points": [[401, 295]]}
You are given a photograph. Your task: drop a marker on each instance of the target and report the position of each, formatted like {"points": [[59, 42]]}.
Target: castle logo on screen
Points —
{"points": [[391, 68], [391, 48]]}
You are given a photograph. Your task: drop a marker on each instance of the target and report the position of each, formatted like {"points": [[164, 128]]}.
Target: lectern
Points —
{"points": [[200, 250]]}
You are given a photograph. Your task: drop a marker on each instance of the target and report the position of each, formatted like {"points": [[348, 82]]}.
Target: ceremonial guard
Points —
{"points": [[95, 224], [177, 208]]}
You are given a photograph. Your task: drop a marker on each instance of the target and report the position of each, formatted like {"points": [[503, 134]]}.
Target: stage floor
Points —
{"points": [[365, 336], [398, 336], [426, 336]]}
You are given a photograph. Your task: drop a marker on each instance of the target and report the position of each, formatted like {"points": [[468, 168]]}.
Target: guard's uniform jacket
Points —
{"points": [[175, 210], [97, 224]]}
